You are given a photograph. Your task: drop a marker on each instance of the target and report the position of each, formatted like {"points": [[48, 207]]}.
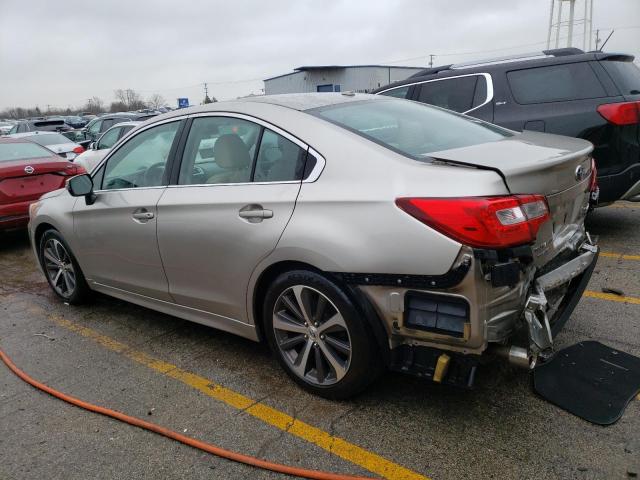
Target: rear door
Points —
{"points": [[234, 194], [116, 235]]}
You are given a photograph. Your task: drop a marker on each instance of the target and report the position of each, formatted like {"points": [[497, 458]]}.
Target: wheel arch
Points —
{"points": [[39, 232], [359, 299]]}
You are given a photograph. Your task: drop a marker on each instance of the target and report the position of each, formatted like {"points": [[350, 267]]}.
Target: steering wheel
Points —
{"points": [[198, 172], [153, 175]]}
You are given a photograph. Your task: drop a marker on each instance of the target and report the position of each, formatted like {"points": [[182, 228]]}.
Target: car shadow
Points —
{"points": [[13, 241]]}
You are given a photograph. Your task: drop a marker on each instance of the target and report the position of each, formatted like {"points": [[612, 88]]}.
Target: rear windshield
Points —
{"points": [[411, 128], [18, 151], [49, 139], [626, 75]]}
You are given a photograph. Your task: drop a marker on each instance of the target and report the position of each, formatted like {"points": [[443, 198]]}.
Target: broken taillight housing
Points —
{"points": [[482, 222]]}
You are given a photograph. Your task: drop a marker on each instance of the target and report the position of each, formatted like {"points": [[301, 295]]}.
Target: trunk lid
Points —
{"points": [[538, 163], [18, 185]]}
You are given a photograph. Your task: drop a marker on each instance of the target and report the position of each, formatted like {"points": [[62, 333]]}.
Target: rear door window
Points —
{"points": [[555, 83], [279, 159], [457, 94], [219, 150]]}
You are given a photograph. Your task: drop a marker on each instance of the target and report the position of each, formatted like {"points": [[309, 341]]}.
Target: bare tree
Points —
{"points": [[118, 107], [156, 101], [208, 99], [94, 105], [130, 98]]}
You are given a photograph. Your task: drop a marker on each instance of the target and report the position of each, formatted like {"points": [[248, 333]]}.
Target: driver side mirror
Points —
{"points": [[93, 145], [82, 186]]}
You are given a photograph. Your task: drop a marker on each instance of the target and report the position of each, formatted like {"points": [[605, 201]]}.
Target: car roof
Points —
{"points": [[295, 101], [512, 62]]}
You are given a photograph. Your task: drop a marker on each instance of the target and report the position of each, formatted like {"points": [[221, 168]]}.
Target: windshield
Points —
{"points": [[411, 128], [48, 139], [18, 151]]}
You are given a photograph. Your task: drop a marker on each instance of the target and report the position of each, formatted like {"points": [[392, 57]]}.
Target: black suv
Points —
{"points": [[595, 96]]}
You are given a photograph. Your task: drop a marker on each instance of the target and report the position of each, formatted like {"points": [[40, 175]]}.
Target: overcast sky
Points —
{"points": [[62, 52]]}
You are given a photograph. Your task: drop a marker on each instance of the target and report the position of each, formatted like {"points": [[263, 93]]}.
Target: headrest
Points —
{"points": [[231, 153]]}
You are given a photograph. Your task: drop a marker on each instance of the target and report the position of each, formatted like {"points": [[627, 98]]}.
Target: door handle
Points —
{"points": [[142, 215], [255, 213]]}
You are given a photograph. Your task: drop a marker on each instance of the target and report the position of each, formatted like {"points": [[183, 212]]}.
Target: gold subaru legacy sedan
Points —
{"points": [[353, 233]]}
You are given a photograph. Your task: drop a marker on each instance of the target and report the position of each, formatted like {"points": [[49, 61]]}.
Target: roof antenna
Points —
{"points": [[605, 42]]}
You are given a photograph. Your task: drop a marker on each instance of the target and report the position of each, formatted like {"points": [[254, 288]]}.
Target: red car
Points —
{"points": [[28, 171]]}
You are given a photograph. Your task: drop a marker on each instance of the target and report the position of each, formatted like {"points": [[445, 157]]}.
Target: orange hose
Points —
{"points": [[192, 442]]}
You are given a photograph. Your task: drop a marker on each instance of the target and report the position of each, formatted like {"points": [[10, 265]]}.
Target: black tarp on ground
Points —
{"points": [[590, 380]]}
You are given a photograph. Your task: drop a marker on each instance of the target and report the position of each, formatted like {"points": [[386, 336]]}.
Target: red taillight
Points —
{"points": [[625, 113], [482, 222], [79, 149], [73, 170]]}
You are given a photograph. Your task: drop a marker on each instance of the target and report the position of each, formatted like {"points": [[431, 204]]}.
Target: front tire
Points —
{"points": [[61, 269], [318, 335]]}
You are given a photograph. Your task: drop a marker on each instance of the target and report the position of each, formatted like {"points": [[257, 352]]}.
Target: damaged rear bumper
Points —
{"points": [[543, 321]]}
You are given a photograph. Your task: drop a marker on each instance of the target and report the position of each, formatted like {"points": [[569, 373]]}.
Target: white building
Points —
{"points": [[336, 78]]}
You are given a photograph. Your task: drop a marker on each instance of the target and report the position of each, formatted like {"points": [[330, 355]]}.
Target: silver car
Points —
{"points": [[353, 233], [54, 142]]}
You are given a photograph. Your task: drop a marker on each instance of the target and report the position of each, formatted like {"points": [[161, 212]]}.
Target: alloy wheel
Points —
{"points": [[312, 335], [59, 267]]}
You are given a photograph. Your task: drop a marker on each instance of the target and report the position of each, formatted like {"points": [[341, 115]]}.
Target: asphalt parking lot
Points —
{"points": [[229, 391]]}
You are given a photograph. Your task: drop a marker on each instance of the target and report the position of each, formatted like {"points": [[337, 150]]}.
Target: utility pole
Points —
{"points": [[431, 57], [206, 90], [597, 38]]}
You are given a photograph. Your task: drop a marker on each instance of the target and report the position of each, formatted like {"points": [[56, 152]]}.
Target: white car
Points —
{"points": [[5, 127], [98, 149], [53, 141]]}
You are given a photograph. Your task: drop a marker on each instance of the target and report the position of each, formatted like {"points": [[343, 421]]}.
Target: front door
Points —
{"points": [[236, 191], [116, 235]]}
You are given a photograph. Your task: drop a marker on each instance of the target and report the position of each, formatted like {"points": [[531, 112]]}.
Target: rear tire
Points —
{"points": [[318, 336], [61, 269]]}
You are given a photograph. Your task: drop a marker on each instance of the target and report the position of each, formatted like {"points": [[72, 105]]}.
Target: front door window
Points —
{"points": [[142, 160]]}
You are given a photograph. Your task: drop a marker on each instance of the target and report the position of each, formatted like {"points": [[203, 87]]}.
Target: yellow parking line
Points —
{"points": [[622, 205], [612, 297], [619, 256], [335, 445]]}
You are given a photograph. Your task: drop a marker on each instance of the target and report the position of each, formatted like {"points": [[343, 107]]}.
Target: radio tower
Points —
{"points": [[568, 26]]}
